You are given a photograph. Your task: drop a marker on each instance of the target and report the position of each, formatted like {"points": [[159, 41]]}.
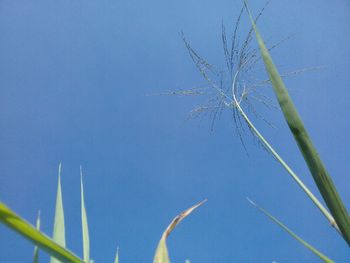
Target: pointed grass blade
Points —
{"points": [[315, 164], [84, 222], [36, 249], [162, 255], [16, 223], [116, 260], [290, 232], [59, 229]]}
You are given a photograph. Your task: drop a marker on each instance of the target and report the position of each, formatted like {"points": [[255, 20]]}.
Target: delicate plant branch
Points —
{"points": [[242, 59], [236, 104]]}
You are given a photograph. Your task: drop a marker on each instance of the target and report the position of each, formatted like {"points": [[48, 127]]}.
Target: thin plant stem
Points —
{"points": [[313, 198]]}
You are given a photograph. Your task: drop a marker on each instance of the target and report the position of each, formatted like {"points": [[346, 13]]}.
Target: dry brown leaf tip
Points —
{"points": [[180, 217]]}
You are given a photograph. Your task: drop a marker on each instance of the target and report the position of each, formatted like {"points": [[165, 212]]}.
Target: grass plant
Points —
{"points": [[320, 175], [42, 241], [59, 231], [162, 255], [55, 246], [84, 222], [231, 89]]}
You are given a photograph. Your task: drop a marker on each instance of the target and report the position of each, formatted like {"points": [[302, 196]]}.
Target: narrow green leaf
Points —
{"points": [[315, 164], [162, 255], [307, 245], [59, 228], [84, 222], [36, 249], [16, 223], [116, 260]]}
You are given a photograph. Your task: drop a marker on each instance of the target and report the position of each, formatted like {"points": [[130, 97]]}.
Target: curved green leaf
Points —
{"points": [[162, 255], [16, 223]]}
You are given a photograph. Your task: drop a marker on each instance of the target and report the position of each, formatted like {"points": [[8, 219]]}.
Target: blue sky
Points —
{"points": [[74, 79]]}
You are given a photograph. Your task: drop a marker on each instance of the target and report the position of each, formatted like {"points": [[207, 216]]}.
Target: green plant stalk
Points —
{"points": [[16, 223], [307, 245], [313, 198], [314, 162]]}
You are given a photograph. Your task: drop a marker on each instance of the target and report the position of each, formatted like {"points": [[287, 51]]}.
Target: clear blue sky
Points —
{"points": [[74, 76]]}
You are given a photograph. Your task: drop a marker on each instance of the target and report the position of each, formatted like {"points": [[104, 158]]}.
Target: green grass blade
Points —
{"points": [[307, 245], [16, 223], [116, 260], [162, 255], [59, 229], [316, 167], [84, 222], [36, 249]]}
